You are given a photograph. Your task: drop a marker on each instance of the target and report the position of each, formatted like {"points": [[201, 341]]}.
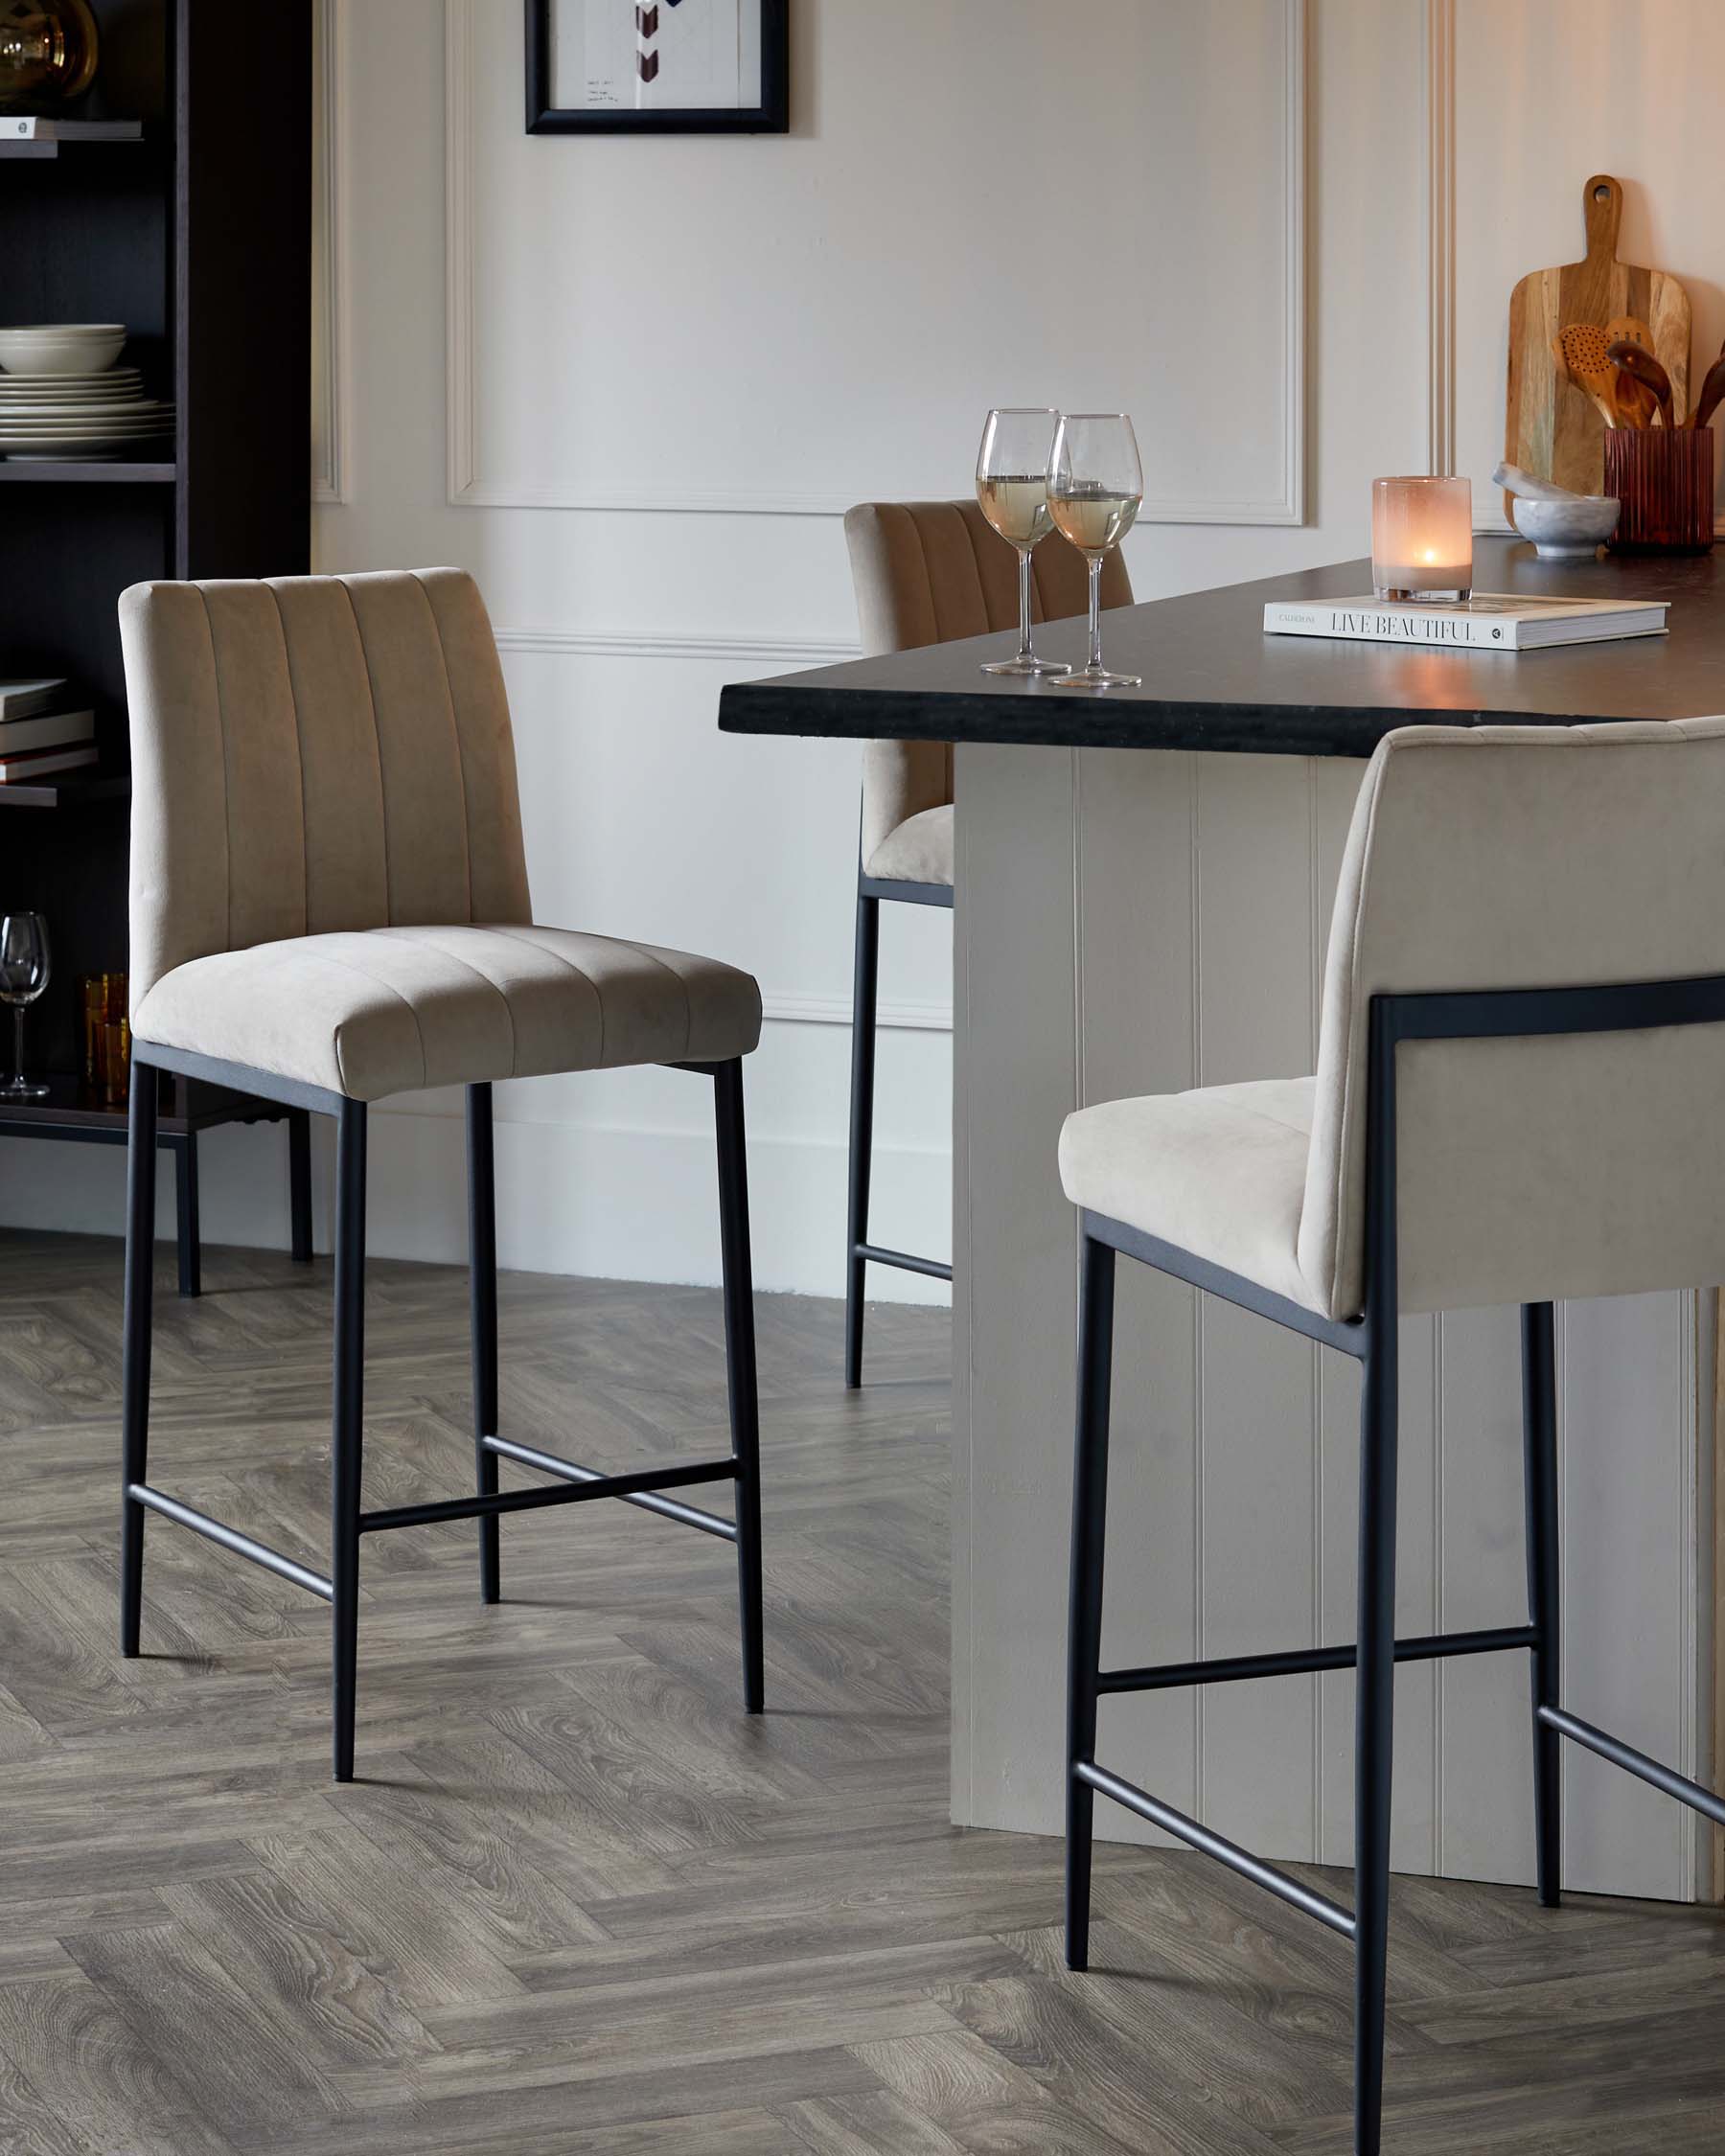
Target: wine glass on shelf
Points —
{"points": [[1096, 484], [1012, 486], [23, 976]]}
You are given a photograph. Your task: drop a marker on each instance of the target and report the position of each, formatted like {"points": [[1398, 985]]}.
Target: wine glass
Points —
{"points": [[23, 976], [1096, 484], [1012, 486]]}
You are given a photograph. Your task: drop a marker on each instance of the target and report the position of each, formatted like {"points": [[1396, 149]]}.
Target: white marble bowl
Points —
{"points": [[64, 348], [1572, 530]]}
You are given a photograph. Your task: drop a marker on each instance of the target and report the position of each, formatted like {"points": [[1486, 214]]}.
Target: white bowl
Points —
{"points": [[1568, 530], [66, 348]]}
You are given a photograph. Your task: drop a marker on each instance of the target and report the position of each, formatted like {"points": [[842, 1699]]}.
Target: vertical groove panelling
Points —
{"points": [[1018, 1085], [1199, 1307], [1317, 926], [1254, 1020], [1440, 1614], [1690, 1829], [1138, 1005]]}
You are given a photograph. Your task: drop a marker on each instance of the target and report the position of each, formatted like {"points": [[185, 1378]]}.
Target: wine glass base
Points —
{"points": [[1024, 667], [1099, 678], [21, 1088]]}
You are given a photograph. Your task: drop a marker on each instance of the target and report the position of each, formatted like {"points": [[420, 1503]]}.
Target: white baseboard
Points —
{"points": [[603, 1203]]}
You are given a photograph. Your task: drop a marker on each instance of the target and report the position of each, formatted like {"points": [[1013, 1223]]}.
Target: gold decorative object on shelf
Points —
{"points": [[48, 50]]}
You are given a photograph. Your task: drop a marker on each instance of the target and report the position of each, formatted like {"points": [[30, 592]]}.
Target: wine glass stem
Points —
{"points": [[1023, 649], [18, 1043], [1096, 613]]}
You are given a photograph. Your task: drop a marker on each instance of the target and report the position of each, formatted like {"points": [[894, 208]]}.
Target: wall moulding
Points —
{"points": [[470, 487], [788, 651]]}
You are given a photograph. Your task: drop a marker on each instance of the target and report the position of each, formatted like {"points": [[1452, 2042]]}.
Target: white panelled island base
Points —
{"points": [[1144, 889], [1131, 922]]}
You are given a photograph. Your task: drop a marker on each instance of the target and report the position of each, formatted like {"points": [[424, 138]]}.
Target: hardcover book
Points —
{"points": [[26, 700], [56, 730], [1490, 620], [43, 762], [26, 126]]}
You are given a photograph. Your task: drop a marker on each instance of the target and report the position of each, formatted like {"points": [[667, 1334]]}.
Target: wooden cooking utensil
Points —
{"points": [[1629, 328], [1636, 403], [1713, 391], [1550, 425], [1586, 358], [1643, 367]]}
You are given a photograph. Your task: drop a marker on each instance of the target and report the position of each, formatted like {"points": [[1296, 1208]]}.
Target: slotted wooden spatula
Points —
{"points": [[1551, 426]]}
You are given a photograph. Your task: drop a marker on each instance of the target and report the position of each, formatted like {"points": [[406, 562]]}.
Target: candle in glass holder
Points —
{"points": [[1422, 539]]}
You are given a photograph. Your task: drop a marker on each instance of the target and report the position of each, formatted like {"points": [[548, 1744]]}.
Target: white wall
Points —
{"points": [[715, 343]]}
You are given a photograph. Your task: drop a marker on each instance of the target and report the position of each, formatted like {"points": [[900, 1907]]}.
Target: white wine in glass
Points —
{"points": [[1012, 486], [1096, 484]]}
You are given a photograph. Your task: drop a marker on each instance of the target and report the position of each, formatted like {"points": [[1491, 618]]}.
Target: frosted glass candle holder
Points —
{"points": [[1422, 539]]}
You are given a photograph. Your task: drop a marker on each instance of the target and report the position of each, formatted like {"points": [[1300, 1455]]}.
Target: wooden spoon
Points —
{"points": [[1713, 391], [1636, 403], [1585, 350], [1645, 369]]}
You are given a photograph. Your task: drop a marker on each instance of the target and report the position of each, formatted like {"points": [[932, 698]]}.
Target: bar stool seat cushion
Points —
{"points": [[1220, 1172], [390, 1010], [917, 851]]}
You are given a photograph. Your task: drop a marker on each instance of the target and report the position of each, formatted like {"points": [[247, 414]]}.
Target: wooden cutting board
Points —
{"points": [[1551, 428]]}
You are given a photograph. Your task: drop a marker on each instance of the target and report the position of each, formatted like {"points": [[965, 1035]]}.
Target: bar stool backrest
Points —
{"points": [[313, 754], [1538, 1167], [929, 572]]}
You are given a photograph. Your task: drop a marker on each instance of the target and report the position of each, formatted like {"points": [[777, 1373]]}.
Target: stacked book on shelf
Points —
{"points": [[27, 126], [38, 737]]}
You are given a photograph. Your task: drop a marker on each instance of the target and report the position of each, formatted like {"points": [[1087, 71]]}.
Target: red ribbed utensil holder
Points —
{"points": [[1664, 477]]}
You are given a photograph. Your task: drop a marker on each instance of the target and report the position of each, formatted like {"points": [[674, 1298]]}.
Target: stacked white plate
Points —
{"points": [[80, 418]]}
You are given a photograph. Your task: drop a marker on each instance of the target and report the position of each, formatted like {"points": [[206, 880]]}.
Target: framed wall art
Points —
{"points": [[658, 67]]}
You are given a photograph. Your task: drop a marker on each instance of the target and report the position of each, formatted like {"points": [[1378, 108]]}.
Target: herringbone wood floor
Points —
{"points": [[577, 1901]]}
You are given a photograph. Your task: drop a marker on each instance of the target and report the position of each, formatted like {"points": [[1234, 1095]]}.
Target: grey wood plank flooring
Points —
{"points": [[577, 1904]]}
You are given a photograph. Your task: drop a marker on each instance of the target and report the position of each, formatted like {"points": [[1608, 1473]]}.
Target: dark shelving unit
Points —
{"points": [[198, 238]]}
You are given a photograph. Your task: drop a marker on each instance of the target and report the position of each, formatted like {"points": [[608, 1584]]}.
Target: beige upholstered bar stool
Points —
{"points": [[926, 572], [330, 906], [1520, 1064]]}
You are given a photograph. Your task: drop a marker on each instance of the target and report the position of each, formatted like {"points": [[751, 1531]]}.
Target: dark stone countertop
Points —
{"points": [[1213, 679]]}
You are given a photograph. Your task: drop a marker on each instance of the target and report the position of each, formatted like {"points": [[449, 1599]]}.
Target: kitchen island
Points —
{"points": [[1144, 887]]}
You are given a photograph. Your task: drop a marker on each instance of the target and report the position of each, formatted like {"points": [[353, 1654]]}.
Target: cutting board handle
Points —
{"points": [[1602, 206]]}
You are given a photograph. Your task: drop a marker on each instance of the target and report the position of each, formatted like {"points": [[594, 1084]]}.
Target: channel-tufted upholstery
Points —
{"points": [[328, 879], [929, 572], [1529, 1170]]}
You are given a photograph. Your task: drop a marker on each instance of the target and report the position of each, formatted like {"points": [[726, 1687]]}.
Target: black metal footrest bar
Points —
{"points": [[570, 1471], [1302, 1662], [903, 1259], [443, 1510], [1217, 1846], [230, 1538], [1638, 1763]]}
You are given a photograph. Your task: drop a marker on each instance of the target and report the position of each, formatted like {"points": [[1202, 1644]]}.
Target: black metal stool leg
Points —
{"points": [[482, 1283], [299, 1183], [185, 1191], [134, 1441], [1084, 1623], [861, 1126], [1374, 1724], [740, 1362], [348, 1446], [1539, 1433]]}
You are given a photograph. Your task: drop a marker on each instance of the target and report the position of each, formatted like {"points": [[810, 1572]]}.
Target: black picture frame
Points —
{"points": [[770, 117]]}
